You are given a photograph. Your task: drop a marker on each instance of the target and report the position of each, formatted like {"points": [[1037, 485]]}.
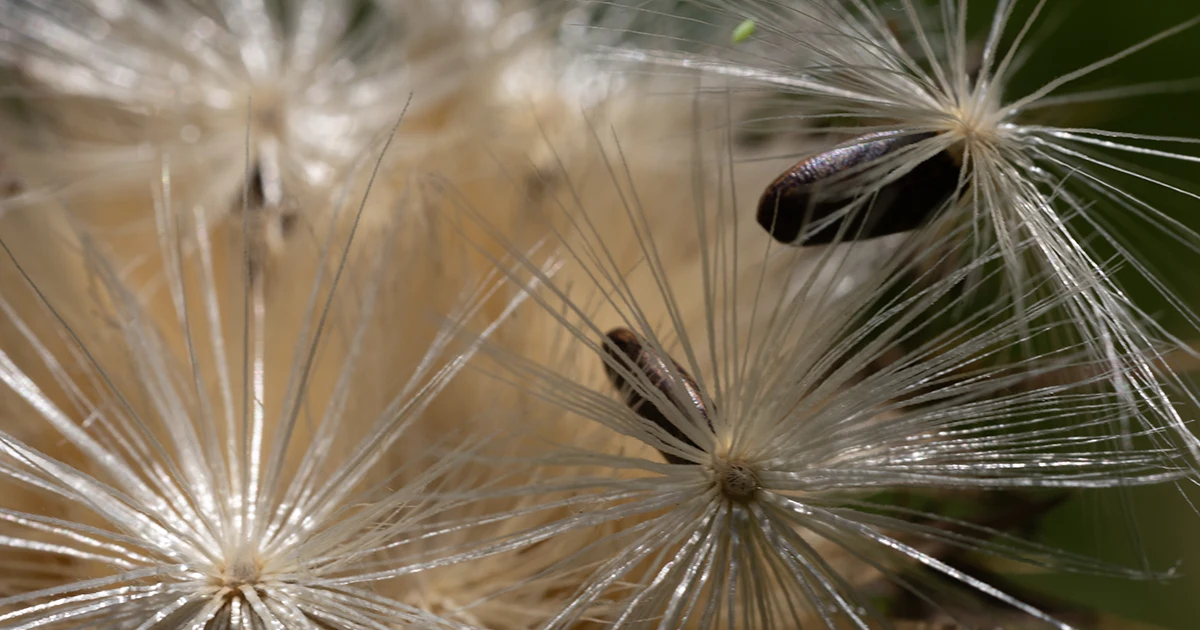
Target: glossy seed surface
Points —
{"points": [[797, 208], [674, 383]]}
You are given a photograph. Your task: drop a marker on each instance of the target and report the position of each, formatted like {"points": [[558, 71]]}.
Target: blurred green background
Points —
{"points": [[1082, 32]]}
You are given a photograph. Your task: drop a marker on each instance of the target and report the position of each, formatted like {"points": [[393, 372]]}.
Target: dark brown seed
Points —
{"points": [[817, 188], [674, 383]]}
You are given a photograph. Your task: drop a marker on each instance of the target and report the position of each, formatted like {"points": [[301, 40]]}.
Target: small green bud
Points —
{"points": [[744, 31]]}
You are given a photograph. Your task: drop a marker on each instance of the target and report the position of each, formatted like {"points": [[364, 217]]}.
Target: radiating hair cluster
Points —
{"points": [[342, 314]]}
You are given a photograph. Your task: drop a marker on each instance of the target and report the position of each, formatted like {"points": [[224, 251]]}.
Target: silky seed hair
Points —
{"points": [[753, 495], [228, 270], [99, 92], [226, 464], [563, 503], [913, 69]]}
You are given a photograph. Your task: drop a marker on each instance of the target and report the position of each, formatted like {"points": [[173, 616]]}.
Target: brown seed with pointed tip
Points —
{"points": [[674, 383], [797, 207]]}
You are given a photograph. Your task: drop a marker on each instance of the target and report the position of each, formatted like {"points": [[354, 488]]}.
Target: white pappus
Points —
{"points": [[764, 424], [110, 87], [227, 465], [929, 134]]}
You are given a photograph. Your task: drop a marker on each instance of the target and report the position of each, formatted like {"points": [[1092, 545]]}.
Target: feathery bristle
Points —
{"points": [[487, 314], [915, 71], [783, 411], [229, 465]]}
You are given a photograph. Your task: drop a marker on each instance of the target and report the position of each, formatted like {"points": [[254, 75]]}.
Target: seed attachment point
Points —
{"points": [[737, 481]]}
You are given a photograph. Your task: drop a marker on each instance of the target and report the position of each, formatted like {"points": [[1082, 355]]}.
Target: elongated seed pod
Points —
{"points": [[674, 382], [816, 188]]}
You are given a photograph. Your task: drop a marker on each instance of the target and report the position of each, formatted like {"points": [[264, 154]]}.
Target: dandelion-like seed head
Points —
{"points": [[244, 483], [766, 427], [926, 133], [680, 413], [300, 90]]}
